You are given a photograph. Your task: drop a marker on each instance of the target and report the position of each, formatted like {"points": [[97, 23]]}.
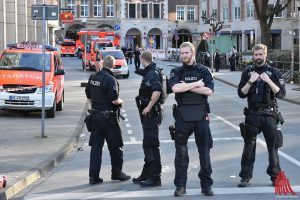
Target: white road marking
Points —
{"points": [[190, 140], [123, 111], [124, 115], [150, 193], [126, 120], [129, 132], [263, 143], [128, 125]]}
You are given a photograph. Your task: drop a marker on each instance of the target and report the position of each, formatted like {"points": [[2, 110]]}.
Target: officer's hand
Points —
{"points": [[146, 111], [254, 77], [200, 83], [264, 77]]}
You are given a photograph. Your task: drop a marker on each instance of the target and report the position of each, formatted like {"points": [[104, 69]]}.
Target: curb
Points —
{"points": [[234, 85], [47, 165]]}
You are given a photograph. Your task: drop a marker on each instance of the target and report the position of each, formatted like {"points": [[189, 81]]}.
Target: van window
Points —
{"points": [[68, 44], [24, 61]]}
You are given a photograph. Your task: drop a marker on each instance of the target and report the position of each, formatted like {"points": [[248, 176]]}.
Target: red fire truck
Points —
{"points": [[86, 35]]}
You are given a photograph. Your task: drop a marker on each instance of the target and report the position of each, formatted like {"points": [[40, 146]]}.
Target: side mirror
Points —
{"points": [[59, 72]]}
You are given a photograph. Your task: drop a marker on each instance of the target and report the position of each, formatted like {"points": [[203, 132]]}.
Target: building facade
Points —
{"points": [[241, 27], [16, 24], [156, 24]]}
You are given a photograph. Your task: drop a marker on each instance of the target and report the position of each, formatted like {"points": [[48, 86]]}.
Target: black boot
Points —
{"points": [[95, 180], [138, 180], [121, 177], [179, 191], [244, 182], [207, 191]]}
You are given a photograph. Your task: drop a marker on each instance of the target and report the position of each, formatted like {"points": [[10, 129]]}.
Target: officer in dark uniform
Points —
{"points": [[103, 91], [192, 83], [260, 84], [151, 117]]}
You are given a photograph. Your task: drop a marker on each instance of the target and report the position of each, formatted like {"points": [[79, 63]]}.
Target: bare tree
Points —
{"points": [[265, 14]]}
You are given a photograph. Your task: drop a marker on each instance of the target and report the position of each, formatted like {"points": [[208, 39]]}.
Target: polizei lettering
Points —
{"points": [[190, 79], [96, 83]]}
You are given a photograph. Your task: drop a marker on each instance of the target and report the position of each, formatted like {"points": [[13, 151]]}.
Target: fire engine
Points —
{"points": [[86, 35]]}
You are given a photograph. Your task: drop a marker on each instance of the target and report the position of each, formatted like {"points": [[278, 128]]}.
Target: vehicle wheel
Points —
{"points": [[63, 55], [51, 113], [172, 58], [60, 105], [127, 75], [72, 55]]}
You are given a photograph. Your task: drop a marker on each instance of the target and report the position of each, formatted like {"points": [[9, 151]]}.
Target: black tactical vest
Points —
{"points": [[260, 92], [190, 76]]}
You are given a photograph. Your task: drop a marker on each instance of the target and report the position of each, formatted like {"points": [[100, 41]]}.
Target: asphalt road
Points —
{"points": [[70, 179]]}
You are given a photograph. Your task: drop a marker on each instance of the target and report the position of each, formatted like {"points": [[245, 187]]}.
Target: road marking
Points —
{"points": [[150, 193], [129, 132], [126, 120], [134, 141], [263, 143], [128, 125], [124, 115], [123, 111]]}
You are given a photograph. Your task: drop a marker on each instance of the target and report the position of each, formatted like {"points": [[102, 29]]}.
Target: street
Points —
{"points": [[70, 179]]}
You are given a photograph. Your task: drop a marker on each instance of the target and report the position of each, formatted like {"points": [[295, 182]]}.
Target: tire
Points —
{"points": [[127, 75], [60, 105], [51, 113], [72, 55], [173, 58]]}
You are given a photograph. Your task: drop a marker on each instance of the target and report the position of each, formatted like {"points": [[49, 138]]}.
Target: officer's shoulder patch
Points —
{"points": [[281, 81]]}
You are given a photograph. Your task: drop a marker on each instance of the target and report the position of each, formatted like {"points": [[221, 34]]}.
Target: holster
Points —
{"points": [[278, 138], [243, 130]]}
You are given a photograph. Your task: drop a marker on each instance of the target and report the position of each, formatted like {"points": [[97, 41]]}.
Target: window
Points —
{"points": [[144, 10], [250, 10], [156, 11], [190, 13], [180, 13], [203, 15], [225, 13], [84, 8], [110, 8], [237, 12], [279, 15], [214, 12], [71, 4], [97, 8], [132, 9]]}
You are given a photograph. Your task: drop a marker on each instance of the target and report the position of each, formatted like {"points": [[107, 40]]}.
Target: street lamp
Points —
{"points": [[215, 26]]}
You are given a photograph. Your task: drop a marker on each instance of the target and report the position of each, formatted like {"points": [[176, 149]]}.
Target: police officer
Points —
{"points": [[151, 117], [192, 83], [103, 91], [260, 84]]}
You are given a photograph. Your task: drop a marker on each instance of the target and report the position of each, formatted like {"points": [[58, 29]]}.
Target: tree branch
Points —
{"points": [[277, 8]]}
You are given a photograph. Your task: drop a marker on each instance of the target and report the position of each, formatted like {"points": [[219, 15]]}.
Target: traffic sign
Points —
{"points": [[51, 12], [117, 27]]}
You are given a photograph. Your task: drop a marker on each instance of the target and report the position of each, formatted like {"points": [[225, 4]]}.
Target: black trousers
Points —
{"points": [[255, 123], [111, 132], [152, 161], [137, 63], [204, 143]]}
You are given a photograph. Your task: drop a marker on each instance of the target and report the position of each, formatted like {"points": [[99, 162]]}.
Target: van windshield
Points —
{"points": [[115, 54], [24, 61], [68, 44]]}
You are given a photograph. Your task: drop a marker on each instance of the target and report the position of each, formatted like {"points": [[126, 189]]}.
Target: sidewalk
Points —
{"points": [[24, 156]]}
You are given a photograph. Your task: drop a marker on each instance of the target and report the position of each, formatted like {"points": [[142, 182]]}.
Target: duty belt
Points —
{"points": [[262, 110], [106, 113]]}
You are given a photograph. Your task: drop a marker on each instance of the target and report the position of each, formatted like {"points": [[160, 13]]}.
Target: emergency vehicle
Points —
{"points": [[89, 57], [21, 67], [68, 47], [121, 67], [86, 35]]}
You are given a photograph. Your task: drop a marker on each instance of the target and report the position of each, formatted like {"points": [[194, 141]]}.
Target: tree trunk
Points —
{"points": [[265, 33]]}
